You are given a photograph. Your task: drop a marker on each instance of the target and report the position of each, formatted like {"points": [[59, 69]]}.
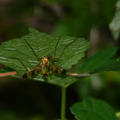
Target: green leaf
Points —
{"points": [[115, 24], [43, 44], [93, 109], [101, 61], [3, 70]]}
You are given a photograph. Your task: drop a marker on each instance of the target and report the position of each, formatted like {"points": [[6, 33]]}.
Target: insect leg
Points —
{"points": [[56, 46], [53, 59], [31, 48], [20, 62], [66, 47], [38, 64]]}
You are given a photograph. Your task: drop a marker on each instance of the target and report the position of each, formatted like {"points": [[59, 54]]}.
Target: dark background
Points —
{"points": [[33, 100]]}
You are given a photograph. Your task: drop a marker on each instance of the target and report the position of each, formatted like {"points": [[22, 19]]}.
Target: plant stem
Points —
{"points": [[63, 103]]}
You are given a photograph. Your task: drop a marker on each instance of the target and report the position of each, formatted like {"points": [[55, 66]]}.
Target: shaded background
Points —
{"points": [[33, 100]]}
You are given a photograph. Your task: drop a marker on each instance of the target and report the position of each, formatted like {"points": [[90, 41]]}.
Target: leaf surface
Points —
{"points": [[70, 48], [101, 61], [93, 109]]}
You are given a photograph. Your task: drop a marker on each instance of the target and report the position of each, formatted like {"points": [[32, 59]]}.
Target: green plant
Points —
{"points": [[73, 50]]}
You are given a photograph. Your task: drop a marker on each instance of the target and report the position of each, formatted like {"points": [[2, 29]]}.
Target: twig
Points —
{"points": [[7, 74]]}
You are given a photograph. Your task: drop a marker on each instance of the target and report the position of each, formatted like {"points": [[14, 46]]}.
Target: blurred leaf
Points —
{"points": [[43, 44], [93, 109], [5, 115], [106, 11], [115, 24], [3, 70], [75, 21], [118, 115], [101, 62]]}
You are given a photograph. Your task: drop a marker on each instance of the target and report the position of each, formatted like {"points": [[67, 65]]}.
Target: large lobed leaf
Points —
{"points": [[93, 109], [43, 44], [101, 61]]}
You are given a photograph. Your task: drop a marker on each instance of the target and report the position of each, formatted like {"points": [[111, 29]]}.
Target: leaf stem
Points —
{"points": [[63, 103]]}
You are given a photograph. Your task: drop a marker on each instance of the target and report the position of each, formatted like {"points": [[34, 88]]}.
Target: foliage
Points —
{"points": [[43, 44], [93, 109], [70, 50], [76, 18], [115, 24], [101, 61]]}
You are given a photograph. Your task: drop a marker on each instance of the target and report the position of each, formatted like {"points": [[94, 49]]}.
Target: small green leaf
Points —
{"points": [[43, 44], [101, 61], [93, 109]]}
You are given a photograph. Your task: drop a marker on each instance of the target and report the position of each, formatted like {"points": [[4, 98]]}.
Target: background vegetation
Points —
{"points": [[22, 100]]}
